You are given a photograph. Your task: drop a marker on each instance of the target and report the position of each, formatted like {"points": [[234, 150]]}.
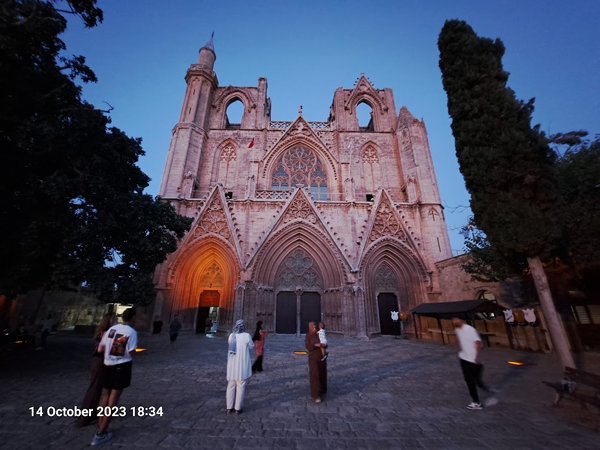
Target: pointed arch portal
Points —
{"points": [[298, 293], [203, 283]]}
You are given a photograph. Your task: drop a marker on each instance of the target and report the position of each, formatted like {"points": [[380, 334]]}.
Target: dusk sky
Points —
{"points": [[307, 49]]}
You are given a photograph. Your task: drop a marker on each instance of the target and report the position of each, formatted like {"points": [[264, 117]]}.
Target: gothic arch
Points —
{"points": [[299, 235], [370, 153], [407, 270], [370, 99], [228, 96], [365, 123], [364, 92], [377, 109], [225, 156], [187, 276]]}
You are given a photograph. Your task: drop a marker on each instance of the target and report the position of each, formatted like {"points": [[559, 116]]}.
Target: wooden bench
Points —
{"points": [[577, 385]]}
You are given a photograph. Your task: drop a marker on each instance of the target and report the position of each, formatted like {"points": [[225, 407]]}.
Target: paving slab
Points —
{"points": [[384, 393]]}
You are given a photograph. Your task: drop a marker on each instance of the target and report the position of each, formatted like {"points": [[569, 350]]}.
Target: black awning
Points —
{"points": [[465, 309]]}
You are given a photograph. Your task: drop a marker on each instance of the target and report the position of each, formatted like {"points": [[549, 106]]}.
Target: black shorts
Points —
{"points": [[117, 376]]}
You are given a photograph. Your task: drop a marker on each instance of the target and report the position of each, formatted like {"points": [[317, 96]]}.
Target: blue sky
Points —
{"points": [[307, 49]]}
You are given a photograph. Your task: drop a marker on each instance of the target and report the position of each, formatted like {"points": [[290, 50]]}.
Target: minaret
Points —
{"points": [[190, 134]]}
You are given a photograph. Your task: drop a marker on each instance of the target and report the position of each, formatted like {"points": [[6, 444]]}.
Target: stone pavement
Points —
{"points": [[384, 393]]}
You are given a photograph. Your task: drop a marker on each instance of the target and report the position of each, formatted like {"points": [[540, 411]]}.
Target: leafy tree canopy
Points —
{"points": [[72, 206]]}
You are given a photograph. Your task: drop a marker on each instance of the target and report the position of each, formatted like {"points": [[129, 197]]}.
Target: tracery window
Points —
{"points": [[385, 279], [299, 271], [300, 166]]}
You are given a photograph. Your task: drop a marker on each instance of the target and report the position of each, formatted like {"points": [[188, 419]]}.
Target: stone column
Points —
{"points": [[238, 307], [361, 316], [298, 300]]}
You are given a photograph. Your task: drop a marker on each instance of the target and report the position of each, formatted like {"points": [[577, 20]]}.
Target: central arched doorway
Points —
{"points": [[295, 310], [298, 299]]}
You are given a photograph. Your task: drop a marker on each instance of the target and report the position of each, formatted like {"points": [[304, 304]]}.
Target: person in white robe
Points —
{"points": [[239, 367]]}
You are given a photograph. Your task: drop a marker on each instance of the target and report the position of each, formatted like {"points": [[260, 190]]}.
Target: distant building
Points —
{"points": [[298, 221]]}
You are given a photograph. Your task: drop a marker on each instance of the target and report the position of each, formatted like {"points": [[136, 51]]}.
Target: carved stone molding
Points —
{"points": [[386, 223]]}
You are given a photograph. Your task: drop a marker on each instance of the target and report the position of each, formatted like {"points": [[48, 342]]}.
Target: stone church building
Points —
{"points": [[298, 221]]}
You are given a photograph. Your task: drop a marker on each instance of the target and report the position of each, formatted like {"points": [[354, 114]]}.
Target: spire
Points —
{"points": [[207, 53], [210, 45]]}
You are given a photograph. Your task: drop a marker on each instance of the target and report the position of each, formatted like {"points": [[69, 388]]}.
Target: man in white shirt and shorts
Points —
{"points": [[470, 348]]}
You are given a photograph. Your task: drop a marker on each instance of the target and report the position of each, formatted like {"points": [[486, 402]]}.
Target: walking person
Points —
{"points": [[46, 328], [259, 338], [239, 367], [97, 372], [118, 344], [157, 325], [174, 328], [472, 369], [317, 367]]}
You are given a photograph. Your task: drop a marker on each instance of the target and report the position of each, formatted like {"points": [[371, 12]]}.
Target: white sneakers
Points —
{"points": [[474, 406]]}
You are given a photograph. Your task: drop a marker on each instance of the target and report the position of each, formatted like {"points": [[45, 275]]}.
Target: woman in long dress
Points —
{"points": [[259, 338], [239, 367]]}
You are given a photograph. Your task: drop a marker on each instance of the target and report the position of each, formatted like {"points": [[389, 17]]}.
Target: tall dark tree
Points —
{"points": [[578, 178], [72, 207], [507, 165]]}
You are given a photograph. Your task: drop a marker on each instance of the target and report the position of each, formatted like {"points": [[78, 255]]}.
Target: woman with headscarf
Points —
{"points": [[259, 338], [239, 366]]}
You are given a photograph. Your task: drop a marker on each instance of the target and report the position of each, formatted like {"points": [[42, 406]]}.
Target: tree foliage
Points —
{"points": [[576, 176], [507, 165], [486, 263], [529, 195], [72, 207]]}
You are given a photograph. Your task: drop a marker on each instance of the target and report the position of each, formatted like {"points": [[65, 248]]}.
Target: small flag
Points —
{"points": [[251, 144]]}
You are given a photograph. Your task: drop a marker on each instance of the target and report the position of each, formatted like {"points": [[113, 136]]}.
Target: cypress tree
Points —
{"points": [[507, 165]]}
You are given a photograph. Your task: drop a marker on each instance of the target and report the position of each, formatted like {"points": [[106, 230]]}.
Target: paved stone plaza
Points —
{"points": [[383, 394]]}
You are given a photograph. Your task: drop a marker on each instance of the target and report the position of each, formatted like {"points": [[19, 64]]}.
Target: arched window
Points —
{"points": [[234, 114], [364, 116], [300, 166]]}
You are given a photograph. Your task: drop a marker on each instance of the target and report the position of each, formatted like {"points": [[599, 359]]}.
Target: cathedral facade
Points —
{"points": [[298, 221]]}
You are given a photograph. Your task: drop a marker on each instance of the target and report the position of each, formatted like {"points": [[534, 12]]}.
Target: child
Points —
{"points": [[323, 341]]}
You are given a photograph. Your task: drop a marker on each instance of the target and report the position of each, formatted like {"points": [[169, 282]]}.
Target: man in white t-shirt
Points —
{"points": [[470, 348], [118, 344]]}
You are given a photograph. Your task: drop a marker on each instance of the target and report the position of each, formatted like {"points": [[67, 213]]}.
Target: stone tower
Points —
{"points": [[298, 221]]}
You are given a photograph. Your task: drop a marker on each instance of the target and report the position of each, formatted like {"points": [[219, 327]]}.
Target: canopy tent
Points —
{"points": [[465, 309]]}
